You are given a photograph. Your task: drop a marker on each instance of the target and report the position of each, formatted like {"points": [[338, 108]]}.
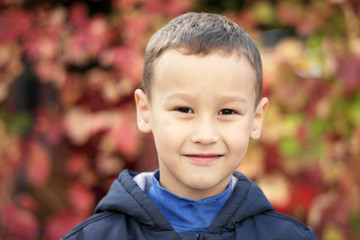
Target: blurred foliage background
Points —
{"points": [[68, 70]]}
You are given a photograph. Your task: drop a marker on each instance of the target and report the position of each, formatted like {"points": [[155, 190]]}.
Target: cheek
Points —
{"points": [[240, 129], [167, 137], [238, 138], [239, 142]]}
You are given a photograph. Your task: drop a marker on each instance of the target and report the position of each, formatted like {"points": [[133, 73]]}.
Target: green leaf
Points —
{"points": [[318, 128], [21, 123], [353, 111], [264, 12], [333, 232], [289, 147]]}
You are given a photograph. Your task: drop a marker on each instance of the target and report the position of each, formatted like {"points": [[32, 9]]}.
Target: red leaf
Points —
{"points": [[289, 13], [14, 153], [27, 202], [78, 125], [126, 138], [76, 164], [171, 8], [124, 4], [244, 18], [82, 47], [19, 223], [302, 196], [108, 165], [13, 24], [273, 158], [134, 28], [81, 199], [349, 72], [41, 46], [61, 223], [126, 60], [78, 15], [51, 126], [39, 165]]}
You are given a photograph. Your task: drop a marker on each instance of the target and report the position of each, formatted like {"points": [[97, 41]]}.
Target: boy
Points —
{"points": [[201, 99]]}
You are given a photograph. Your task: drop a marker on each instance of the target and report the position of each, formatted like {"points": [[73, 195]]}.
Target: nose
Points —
{"points": [[205, 132]]}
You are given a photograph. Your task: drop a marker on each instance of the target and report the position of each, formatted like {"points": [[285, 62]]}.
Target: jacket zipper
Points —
{"points": [[199, 237]]}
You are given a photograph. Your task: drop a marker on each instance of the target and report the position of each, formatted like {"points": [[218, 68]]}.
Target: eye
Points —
{"points": [[184, 110], [227, 112]]}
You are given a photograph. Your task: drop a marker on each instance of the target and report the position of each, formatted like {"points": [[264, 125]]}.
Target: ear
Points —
{"points": [[259, 118], [142, 111]]}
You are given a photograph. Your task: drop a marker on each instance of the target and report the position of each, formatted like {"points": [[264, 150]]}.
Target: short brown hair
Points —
{"points": [[201, 33]]}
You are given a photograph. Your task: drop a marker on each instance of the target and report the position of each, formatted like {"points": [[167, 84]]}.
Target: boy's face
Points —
{"points": [[201, 114]]}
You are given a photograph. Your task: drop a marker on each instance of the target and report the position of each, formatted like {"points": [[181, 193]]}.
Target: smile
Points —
{"points": [[203, 159]]}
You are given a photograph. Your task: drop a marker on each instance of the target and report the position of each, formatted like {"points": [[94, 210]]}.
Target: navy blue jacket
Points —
{"points": [[126, 212]]}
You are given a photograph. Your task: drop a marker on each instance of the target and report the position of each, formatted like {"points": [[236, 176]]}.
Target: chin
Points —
{"points": [[204, 183]]}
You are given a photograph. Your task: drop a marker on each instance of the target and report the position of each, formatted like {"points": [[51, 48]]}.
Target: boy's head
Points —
{"points": [[201, 34], [199, 102]]}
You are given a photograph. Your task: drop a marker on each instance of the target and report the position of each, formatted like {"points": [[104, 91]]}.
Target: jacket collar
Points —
{"points": [[125, 196], [129, 197]]}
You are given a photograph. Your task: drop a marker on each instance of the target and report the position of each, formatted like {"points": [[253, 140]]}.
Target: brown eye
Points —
{"points": [[227, 112], [184, 110]]}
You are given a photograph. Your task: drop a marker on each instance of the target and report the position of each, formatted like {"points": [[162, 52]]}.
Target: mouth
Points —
{"points": [[203, 159]]}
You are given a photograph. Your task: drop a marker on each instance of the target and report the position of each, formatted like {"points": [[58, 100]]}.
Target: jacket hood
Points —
{"points": [[125, 196], [252, 202], [128, 196]]}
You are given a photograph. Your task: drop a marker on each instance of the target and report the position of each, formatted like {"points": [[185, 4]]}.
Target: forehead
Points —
{"points": [[204, 73]]}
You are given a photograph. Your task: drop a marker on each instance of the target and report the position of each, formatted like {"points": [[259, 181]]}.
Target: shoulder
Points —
{"points": [[98, 226], [257, 217], [281, 226]]}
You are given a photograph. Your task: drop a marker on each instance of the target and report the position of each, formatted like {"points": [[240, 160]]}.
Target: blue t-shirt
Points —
{"points": [[185, 214]]}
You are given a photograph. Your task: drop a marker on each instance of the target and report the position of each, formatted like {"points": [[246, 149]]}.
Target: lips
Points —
{"points": [[204, 159]]}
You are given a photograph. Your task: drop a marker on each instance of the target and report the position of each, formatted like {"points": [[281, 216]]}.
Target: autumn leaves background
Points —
{"points": [[67, 128]]}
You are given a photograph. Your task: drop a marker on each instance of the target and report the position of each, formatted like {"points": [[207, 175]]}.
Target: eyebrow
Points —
{"points": [[230, 98], [179, 95], [225, 98]]}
